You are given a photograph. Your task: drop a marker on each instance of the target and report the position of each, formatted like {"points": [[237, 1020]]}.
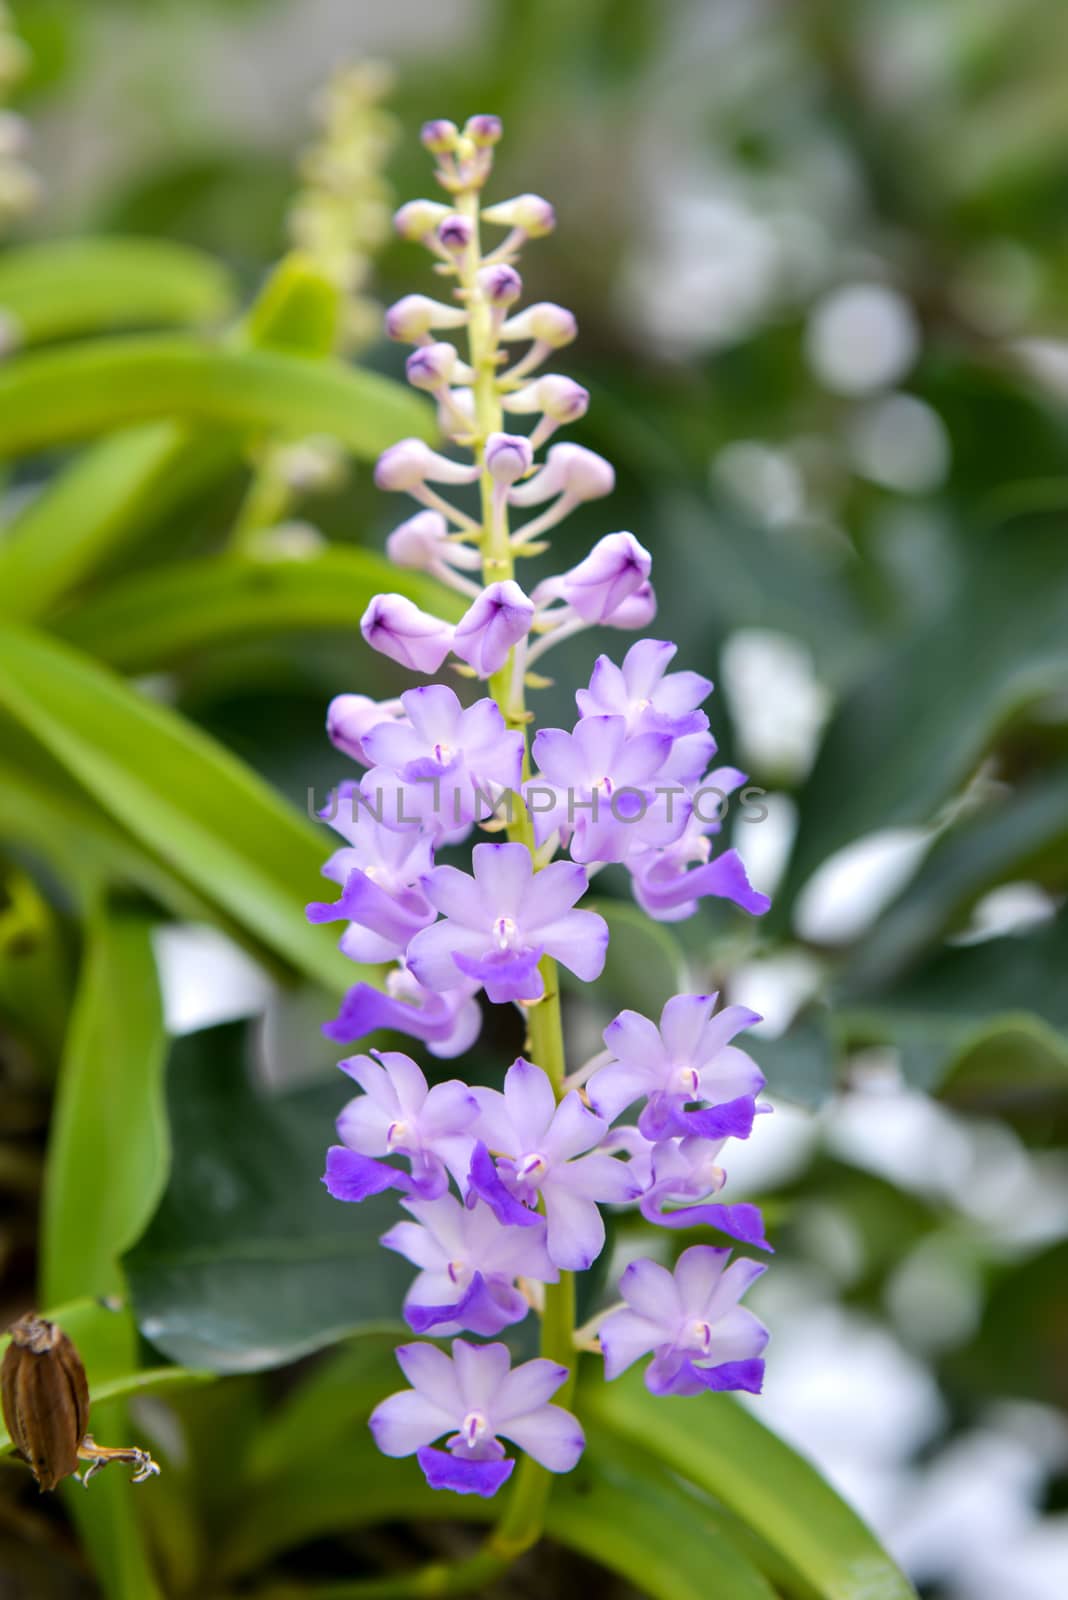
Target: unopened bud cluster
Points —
{"points": [[19, 188], [341, 216]]}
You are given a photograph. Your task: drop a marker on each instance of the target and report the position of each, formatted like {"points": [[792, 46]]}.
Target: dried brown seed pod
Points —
{"points": [[45, 1399]]}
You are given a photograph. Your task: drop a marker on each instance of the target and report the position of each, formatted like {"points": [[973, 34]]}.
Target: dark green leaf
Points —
{"points": [[94, 506], [910, 734], [215, 824], [1020, 835], [717, 1445], [108, 1152], [249, 1263]]}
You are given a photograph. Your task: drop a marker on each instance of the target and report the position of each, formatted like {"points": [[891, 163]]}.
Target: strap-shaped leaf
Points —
{"points": [[158, 617], [217, 825], [113, 490], [80, 286], [52, 397], [108, 1150], [721, 1448]]}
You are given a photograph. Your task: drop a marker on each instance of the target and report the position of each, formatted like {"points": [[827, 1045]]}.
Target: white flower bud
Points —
{"points": [[529, 212], [501, 285], [569, 469], [431, 366], [439, 136], [454, 233], [411, 318], [419, 218], [508, 456], [410, 462], [483, 130], [558, 397], [549, 324]]}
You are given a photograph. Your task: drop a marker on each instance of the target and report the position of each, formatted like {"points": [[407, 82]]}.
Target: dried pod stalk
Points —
{"points": [[45, 1399]]}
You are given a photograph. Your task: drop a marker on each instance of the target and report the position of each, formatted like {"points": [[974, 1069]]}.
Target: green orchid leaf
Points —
{"points": [[53, 397], [70, 287]]}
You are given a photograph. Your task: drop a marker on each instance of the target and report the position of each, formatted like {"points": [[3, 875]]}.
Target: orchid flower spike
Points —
{"points": [[503, 1193]]}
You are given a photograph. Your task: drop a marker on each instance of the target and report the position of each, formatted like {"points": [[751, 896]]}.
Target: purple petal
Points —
{"points": [[485, 1181], [350, 1176], [503, 874], [431, 954], [431, 1372], [579, 941], [445, 1471], [527, 1388], [743, 1221], [530, 1100], [551, 1435], [478, 1310], [406, 1421], [574, 1234], [626, 1336], [747, 1375], [649, 1289], [506, 974]]}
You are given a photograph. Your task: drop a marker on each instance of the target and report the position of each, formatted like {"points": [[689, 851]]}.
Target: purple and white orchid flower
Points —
{"points": [[477, 1397], [547, 1150], [499, 923], [469, 1262], [691, 1323], [687, 1060]]}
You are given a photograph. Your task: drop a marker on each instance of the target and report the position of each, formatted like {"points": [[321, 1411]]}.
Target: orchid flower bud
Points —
{"points": [[501, 285], [531, 214], [615, 569], [508, 456], [548, 324], [431, 366], [411, 318], [496, 621], [419, 218], [411, 462], [396, 627], [484, 130], [454, 233], [439, 136], [423, 542], [350, 716], [637, 610], [558, 397], [569, 469], [456, 413]]}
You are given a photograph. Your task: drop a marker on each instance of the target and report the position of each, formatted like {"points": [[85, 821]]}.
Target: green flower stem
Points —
{"points": [[523, 1517], [521, 1523]]}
